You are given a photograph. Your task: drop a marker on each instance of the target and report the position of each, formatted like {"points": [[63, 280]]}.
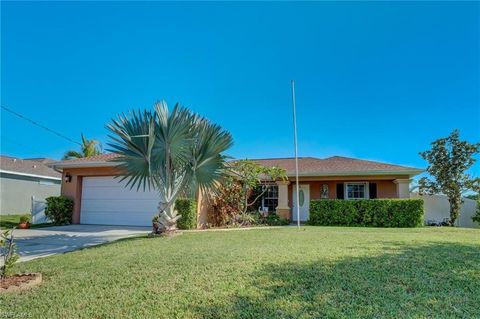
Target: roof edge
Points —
{"points": [[409, 172], [61, 165], [30, 175]]}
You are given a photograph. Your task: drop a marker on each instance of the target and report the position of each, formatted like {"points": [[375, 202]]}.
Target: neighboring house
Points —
{"points": [[20, 179], [100, 198]]}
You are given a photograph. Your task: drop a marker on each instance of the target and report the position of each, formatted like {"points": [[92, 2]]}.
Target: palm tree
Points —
{"points": [[173, 152], [87, 148]]}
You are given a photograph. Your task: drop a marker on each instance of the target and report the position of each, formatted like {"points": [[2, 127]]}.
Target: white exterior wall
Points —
{"points": [[437, 208]]}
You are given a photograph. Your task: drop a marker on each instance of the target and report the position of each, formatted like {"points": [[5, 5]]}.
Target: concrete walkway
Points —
{"points": [[42, 242]]}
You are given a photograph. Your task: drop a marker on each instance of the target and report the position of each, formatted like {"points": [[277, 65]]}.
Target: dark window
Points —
{"points": [[340, 191], [372, 189], [270, 198]]}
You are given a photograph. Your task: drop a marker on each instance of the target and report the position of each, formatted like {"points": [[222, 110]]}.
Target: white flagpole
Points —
{"points": [[296, 153]]}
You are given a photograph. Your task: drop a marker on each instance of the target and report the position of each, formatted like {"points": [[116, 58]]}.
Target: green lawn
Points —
{"points": [[317, 272], [11, 221]]}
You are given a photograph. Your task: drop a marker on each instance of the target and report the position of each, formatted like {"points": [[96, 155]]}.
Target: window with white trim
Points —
{"points": [[356, 191], [270, 198]]}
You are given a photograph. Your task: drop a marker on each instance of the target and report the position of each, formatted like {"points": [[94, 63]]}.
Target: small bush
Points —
{"points": [[187, 208], [59, 210], [24, 219], [372, 212], [244, 220], [8, 253], [275, 220]]}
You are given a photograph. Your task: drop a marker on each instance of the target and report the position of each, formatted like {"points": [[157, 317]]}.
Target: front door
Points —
{"points": [[304, 202]]}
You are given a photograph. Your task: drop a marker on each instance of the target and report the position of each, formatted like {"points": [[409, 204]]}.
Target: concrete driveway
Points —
{"points": [[42, 242]]}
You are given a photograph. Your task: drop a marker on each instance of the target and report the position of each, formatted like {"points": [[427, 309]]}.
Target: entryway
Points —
{"points": [[304, 202]]}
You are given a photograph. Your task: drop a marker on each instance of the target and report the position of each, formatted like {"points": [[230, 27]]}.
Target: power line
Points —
{"points": [[39, 125]]}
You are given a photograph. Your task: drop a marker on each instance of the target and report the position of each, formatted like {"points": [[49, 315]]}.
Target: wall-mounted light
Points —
{"points": [[68, 178]]}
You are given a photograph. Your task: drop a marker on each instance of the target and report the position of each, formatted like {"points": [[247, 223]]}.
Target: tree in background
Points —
{"points": [[88, 148], [449, 159], [175, 153], [473, 196]]}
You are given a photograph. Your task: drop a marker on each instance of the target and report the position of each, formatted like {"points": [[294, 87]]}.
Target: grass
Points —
{"points": [[11, 221], [317, 272]]}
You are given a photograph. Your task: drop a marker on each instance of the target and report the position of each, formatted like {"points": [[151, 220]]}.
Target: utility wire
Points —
{"points": [[39, 125]]}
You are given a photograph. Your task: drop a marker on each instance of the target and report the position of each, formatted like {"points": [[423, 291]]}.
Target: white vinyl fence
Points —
{"points": [[437, 208], [38, 211]]}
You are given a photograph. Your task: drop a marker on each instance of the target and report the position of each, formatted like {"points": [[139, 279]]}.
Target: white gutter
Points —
{"points": [[30, 175]]}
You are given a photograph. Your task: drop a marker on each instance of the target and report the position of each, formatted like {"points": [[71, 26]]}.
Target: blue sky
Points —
{"points": [[374, 80]]}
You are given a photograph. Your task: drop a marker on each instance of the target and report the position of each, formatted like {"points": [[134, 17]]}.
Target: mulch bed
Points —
{"points": [[20, 282]]}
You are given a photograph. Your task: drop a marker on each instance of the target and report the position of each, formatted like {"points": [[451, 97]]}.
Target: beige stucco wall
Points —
{"points": [[73, 190], [386, 187], [203, 207], [16, 192]]}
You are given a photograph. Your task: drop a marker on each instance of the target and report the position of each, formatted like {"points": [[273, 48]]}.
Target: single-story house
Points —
{"points": [[99, 197], [20, 179]]}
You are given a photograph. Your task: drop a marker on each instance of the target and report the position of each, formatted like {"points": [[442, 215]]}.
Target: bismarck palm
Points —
{"points": [[173, 152]]}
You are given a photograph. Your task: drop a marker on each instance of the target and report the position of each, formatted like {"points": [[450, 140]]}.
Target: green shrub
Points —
{"points": [[371, 212], [8, 253], [188, 209], [59, 210], [275, 220], [244, 220], [24, 219]]}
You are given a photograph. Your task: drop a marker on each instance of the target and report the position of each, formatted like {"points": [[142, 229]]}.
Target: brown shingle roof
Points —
{"points": [[29, 167], [106, 157], [335, 165], [306, 165]]}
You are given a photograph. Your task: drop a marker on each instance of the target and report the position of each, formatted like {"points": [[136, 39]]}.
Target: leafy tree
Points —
{"points": [[88, 148], [473, 196], [449, 159], [173, 152], [243, 188], [251, 176]]}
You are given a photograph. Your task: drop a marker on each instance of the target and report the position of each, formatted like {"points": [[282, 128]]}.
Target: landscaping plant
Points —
{"points": [[59, 210], [448, 162], [8, 252], [174, 152], [242, 189], [251, 175], [24, 219], [226, 202], [369, 212], [275, 220], [187, 209]]}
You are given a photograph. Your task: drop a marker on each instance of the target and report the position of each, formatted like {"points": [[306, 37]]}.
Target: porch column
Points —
{"points": [[403, 188], [283, 210]]}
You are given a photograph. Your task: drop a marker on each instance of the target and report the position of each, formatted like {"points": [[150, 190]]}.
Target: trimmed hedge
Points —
{"points": [[370, 212], [59, 210], [188, 209]]}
